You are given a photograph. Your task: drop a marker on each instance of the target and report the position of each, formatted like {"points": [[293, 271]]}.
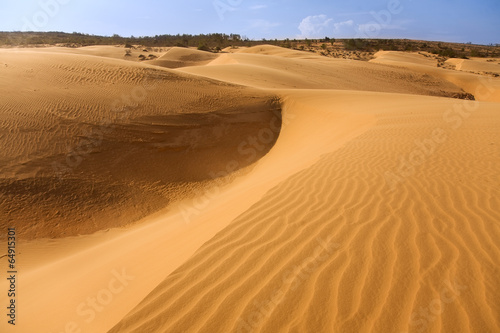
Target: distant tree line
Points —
{"points": [[217, 41], [78, 39], [448, 50]]}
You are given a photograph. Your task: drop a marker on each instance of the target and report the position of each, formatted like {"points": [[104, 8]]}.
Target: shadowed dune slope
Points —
{"points": [[171, 238], [90, 143], [355, 242]]}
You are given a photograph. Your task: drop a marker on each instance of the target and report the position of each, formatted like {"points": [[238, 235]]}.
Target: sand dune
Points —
{"points": [[484, 88], [182, 57], [366, 199], [476, 65], [369, 256], [106, 51], [100, 143], [285, 69]]}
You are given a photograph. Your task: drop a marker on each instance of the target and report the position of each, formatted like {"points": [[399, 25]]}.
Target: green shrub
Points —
{"points": [[203, 47]]}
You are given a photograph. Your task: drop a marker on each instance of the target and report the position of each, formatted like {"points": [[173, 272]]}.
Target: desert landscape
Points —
{"points": [[253, 189]]}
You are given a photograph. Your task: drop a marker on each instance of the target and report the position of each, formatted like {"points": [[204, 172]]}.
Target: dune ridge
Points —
{"points": [[66, 115], [483, 88], [181, 57], [244, 265], [373, 209]]}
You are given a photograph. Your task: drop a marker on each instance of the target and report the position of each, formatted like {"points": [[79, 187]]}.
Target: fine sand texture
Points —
{"points": [[90, 143], [257, 190]]}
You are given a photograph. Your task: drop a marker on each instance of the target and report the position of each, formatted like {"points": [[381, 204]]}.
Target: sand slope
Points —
{"points": [[105, 51], [483, 88], [336, 248], [183, 57], [283, 68], [476, 65], [90, 142], [368, 207]]}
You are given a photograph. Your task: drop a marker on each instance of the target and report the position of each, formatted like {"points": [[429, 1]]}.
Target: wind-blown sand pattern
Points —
{"points": [[120, 133], [371, 205]]}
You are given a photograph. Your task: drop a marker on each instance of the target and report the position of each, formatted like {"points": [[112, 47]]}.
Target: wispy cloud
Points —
{"points": [[339, 27], [312, 26], [258, 7]]}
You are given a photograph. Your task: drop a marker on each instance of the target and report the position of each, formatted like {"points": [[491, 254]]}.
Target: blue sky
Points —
{"points": [[443, 20]]}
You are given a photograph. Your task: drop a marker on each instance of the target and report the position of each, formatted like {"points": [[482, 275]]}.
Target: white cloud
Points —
{"points": [[340, 26], [257, 7], [312, 26], [344, 29]]}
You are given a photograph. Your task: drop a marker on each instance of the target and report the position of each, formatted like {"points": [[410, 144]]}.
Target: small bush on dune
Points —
{"points": [[445, 52], [203, 47]]}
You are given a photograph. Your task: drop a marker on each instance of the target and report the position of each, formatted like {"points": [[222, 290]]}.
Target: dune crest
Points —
{"points": [[100, 143], [182, 57], [349, 248], [366, 198], [483, 88]]}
